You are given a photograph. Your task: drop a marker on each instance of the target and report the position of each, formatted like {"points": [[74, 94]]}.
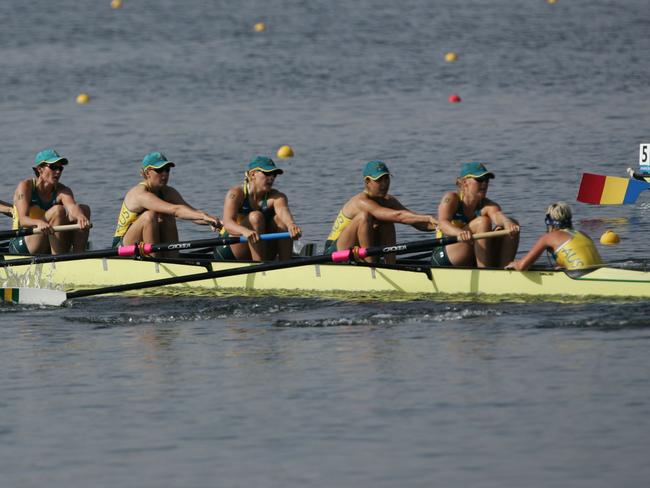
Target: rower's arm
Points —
{"points": [[231, 205], [73, 209], [281, 207], [175, 197], [398, 214], [499, 219], [543, 243], [446, 211], [176, 206], [22, 197]]}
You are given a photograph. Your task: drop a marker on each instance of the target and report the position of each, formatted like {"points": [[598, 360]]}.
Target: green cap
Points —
{"points": [[264, 164], [49, 156], [375, 169], [474, 170], [155, 160]]}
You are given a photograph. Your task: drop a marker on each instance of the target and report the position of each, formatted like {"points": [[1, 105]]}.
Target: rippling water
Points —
{"points": [[259, 391]]}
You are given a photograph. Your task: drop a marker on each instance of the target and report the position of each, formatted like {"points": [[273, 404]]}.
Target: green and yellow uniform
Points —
{"points": [[125, 220], [224, 253], [37, 209], [340, 223], [578, 252]]}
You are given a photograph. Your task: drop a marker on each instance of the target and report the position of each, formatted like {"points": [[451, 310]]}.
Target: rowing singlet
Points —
{"points": [[340, 223], [126, 217], [459, 219], [578, 252], [37, 207], [247, 207]]}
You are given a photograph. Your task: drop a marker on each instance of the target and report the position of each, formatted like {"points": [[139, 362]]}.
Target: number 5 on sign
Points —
{"points": [[644, 158]]}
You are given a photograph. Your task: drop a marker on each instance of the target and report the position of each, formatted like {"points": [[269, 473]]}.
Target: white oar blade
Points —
{"points": [[33, 296]]}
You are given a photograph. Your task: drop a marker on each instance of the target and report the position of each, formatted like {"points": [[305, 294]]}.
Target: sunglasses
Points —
{"points": [[55, 167], [164, 169]]}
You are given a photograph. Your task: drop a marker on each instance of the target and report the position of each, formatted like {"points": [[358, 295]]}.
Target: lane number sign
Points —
{"points": [[644, 157]]}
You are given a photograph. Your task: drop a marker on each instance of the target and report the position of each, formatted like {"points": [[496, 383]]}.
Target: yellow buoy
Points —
{"points": [[609, 238], [451, 57], [260, 27], [551, 1], [82, 98], [285, 152], [116, 3]]}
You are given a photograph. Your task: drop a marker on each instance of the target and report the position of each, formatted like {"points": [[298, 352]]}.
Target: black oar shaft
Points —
{"points": [[28, 231]]}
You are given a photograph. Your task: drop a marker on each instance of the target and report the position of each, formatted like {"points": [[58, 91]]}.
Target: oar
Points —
{"points": [[28, 231], [345, 255], [141, 249], [32, 296], [609, 190]]}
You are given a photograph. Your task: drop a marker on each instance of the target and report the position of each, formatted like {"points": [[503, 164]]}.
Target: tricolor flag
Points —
{"points": [[609, 190]]}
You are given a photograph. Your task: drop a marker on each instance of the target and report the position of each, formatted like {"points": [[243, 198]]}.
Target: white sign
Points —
{"points": [[644, 158]]}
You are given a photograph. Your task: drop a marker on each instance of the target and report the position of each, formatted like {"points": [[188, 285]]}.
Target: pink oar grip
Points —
{"points": [[147, 248], [126, 250], [338, 256]]}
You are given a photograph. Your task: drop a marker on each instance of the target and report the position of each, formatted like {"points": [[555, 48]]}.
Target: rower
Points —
{"points": [[256, 208], [44, 202], [570, 249], [150, 209], [368, 218], [468, 211]]}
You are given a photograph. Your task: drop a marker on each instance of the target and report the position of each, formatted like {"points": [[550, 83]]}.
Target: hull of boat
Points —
{"points": [[416, 281]]}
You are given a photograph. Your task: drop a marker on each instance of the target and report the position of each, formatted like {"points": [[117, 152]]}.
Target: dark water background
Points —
{"points": [[258, 391]]}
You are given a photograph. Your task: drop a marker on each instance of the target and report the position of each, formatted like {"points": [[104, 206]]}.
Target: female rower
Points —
{"points": [[468, 211], [571, 249], [256, 208], [369, 217], [44, 202], [150, 209]]}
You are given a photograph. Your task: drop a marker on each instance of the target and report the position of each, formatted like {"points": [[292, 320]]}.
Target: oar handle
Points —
{"points": [[135, 249], [28, 231], [407, 247], [269, 237], [489, 235], [60, 228]]}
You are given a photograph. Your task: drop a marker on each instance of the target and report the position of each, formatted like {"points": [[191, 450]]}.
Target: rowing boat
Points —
{"points": [[411, 279]]}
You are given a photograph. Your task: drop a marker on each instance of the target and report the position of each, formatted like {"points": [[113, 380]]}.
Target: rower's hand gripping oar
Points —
{"points": [[28, 231], [140, 249], [345, 255]]}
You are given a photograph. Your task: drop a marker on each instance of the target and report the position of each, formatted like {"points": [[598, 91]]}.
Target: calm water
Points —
{"points": [[257, 391]]}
